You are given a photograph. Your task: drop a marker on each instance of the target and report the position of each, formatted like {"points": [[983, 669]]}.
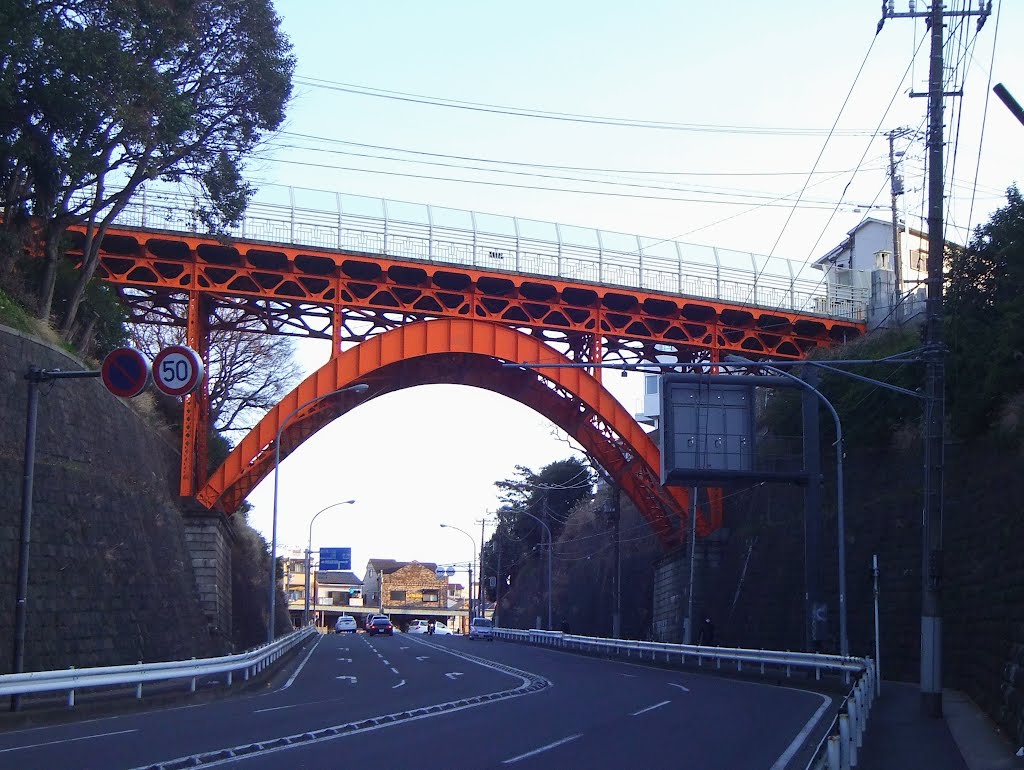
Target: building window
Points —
{"points": [[430, 596], [398, 596], [919, 260]]}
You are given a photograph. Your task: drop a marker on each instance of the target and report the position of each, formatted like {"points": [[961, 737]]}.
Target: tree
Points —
{"points": [[98, 97], [985, 320], [551, 495], [249, 370]]}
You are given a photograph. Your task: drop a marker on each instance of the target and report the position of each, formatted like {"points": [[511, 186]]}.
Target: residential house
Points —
{"points": [[336, 593], [293, 562], [405, 591], [868, 250]]}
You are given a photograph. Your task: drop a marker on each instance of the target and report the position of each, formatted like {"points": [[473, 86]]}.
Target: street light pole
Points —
{"points": [[844, 642], [548, 530], [309, 548], [272, 587], [469, 593]]}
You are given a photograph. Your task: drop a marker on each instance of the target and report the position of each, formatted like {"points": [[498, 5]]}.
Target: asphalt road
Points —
{"points": [[446, 702]]}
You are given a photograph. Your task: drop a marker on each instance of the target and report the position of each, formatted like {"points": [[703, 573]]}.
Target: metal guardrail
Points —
{"points": [[249, 663], [837, 749], [501, 243]]}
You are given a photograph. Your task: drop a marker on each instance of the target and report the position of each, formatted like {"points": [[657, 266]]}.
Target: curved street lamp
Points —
{"points": [[272, 587], [844, 643], [309, 548], [469, 593]]}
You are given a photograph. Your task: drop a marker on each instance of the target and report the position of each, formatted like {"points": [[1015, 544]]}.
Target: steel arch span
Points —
{"points": [[468, 352]]}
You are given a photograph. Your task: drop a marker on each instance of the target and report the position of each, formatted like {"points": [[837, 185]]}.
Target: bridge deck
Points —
{"points": [[349, 275]]}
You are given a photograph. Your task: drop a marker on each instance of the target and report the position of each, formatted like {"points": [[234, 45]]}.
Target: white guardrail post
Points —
{"points": [[72, 679], [837, 752]]}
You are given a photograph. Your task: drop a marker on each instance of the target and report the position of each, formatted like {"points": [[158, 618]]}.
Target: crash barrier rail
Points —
{"points": [[249, 663], [837, 749]]}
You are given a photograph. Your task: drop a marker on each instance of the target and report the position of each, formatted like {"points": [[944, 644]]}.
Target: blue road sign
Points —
{"points": [[125, 372], [335, 559]]}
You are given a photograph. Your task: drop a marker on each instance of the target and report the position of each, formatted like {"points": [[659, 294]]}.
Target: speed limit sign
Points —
{"points": [[177, 370]]}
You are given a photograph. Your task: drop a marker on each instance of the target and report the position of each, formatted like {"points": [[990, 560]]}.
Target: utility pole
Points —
{"points": [[499, 578], [895, 191], [481, 603], [934, 355], [617, 575]]}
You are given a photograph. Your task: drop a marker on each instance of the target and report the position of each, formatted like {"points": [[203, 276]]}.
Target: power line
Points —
{"points": [[436, 101], [671, 187], [385, 148], [604, 193]]}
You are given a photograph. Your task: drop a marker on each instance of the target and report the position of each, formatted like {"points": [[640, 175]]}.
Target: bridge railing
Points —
{"points": [[837, 749], [246, 664], [489, 242]]}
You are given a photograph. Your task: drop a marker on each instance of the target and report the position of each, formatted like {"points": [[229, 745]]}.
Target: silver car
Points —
{"points": [[481, 628]]}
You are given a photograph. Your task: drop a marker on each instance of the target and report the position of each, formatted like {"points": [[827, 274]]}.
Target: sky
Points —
{"points": [[769, 139]]}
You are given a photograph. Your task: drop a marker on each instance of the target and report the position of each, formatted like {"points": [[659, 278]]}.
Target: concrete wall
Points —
{"points": [[983, 587], [111, 577]]}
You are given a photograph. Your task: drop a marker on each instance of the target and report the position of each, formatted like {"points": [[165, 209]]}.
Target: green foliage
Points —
{"points": [[98, 97], [102, 311], [870, 414], [12, 314], [985, 321], [551, 495]]}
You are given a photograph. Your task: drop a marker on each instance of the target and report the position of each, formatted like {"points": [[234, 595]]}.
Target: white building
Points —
{"points": [[868, 249]]}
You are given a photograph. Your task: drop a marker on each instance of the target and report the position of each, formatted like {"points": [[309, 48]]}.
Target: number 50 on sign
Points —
{"points": [[177, 370]]}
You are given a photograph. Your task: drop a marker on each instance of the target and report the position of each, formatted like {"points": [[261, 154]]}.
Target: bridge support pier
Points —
{"points": [[209, 536], [672, 587]]}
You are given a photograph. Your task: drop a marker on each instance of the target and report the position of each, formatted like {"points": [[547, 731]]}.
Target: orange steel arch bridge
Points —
{"points": [[417, 295]]}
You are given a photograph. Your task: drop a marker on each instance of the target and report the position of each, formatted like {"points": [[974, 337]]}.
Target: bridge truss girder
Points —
{"points": [[349, 296], [468, 353], [203, 284]]}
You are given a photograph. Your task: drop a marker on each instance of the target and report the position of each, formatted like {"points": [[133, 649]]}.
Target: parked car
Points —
{"points": [[441, 629], [346, 625], [380, 625], [423, 627], [481, 628]]}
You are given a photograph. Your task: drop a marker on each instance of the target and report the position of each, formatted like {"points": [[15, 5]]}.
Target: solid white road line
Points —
{"points": [[66, 740], [798, 741], [303, 663], [297, 705], [535, 752], [650, 708]]}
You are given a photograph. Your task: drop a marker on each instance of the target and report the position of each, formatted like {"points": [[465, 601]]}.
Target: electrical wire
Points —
{"points": [[821, 153], [549, 166], [819, 205], [435, 101], [984, 117]]}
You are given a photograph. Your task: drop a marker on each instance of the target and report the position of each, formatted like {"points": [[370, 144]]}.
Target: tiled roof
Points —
{"points": [[338, 578], [387, 566]]}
